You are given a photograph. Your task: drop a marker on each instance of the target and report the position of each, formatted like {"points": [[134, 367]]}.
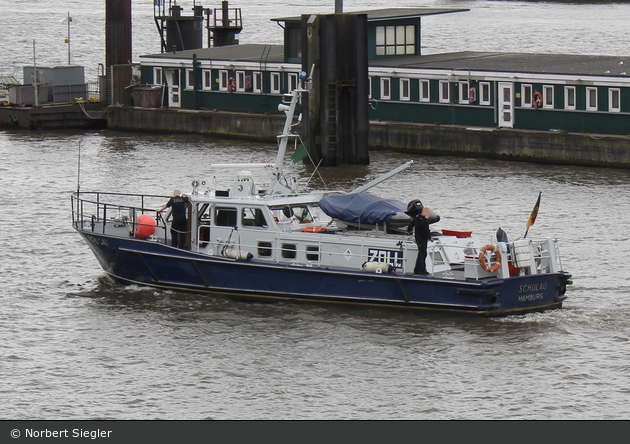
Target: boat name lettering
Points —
{"points": [[97, 240], [530, 297], [528, 288], [393, 257]]}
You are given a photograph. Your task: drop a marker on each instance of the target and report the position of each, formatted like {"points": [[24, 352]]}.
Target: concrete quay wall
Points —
{"points": [[508, 144]]}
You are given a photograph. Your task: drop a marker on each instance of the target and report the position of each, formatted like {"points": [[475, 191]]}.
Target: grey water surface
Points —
{"points": [[76, 345]]}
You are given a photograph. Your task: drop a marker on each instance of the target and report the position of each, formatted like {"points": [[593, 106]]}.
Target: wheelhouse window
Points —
{"points": [[405, 93], [484, 93], [257, 82], [569, 97], [547, 96], [445, 96], [526, 96], [254, 217], [275, 83], [395, 40], [464, 92], [223, 80], [425, 91], [206, 79], [614, 100], [240, 80], [386, 92], [294, 213], [591, 99], [225, 217]]}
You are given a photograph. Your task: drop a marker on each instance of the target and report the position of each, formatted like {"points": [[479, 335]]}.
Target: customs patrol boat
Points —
{"points": [[271, 242]]}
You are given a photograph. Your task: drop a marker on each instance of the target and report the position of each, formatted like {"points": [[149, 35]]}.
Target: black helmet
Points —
{"points": [[414, 207]]}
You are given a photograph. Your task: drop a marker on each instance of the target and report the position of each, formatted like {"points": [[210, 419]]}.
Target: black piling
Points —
{"points": [[336, 110]]}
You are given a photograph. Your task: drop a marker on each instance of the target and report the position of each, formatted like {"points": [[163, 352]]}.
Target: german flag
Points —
{"points": [[532, 217]]}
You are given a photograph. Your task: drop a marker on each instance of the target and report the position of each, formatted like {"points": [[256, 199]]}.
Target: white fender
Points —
{"points": [[237, 254], [378, 267]]}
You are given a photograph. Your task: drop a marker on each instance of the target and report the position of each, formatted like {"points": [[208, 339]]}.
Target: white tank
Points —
{"points": [[522, 254]]}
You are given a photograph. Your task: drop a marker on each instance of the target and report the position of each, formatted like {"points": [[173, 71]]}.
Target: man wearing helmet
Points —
{"points": [[420, 218]]}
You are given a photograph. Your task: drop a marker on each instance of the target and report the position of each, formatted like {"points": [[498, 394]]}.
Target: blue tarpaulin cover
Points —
{"points": [[361, 208]]}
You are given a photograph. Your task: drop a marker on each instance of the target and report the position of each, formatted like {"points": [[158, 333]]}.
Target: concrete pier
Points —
{"points": [[518, 145]]}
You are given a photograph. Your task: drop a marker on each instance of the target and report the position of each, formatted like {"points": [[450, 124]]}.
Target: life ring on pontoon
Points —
{"points": [[471, 99], [314, 229], [231, 84], [537, 100], [482, 258]]}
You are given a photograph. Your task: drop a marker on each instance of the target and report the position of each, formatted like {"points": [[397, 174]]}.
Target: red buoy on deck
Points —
{"points": [[145, 226]]}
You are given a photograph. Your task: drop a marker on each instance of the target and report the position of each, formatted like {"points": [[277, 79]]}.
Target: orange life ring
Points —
{"points": [[482, 258], [314, 229], [231, 84], [537, 99]]}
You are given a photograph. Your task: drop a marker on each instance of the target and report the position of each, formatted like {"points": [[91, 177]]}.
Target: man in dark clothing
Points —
{"points": [[179, 223], [422, 234]]}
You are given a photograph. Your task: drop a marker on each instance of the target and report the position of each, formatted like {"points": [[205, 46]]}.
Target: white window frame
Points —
{"points": [[369, 87], [257, 78], [611, 93], [240, 81], [275, 83], [591, 105], [206, 79], [464, 91], [422, 97], [405, 84], [386, 88], [548, 96], [293, 81], [484, 93], [569, 93], [158, 76], [395, 40], [223, 80], [527, 94], [190, 79], [445, 87]]}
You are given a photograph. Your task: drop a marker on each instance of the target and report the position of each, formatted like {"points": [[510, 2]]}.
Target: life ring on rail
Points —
{"points": [[482, 258], [537, 100], [231, 84], [314, 229]]}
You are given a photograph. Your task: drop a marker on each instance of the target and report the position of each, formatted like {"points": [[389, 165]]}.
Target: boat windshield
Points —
{"points": [[320, 215], [300, 213]]}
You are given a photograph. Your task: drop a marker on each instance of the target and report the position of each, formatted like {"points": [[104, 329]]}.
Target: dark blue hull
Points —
{"points": [[155, 264]]}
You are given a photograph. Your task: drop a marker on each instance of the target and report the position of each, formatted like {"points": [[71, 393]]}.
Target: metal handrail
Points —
{"points": [[94, 209]]}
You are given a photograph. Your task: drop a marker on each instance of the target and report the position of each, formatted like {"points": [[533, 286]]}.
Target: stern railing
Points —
{"points": [[96, 211]]}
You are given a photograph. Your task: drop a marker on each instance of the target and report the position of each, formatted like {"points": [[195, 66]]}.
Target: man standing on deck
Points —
{"points": [[179, 223], [422, 233]]}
